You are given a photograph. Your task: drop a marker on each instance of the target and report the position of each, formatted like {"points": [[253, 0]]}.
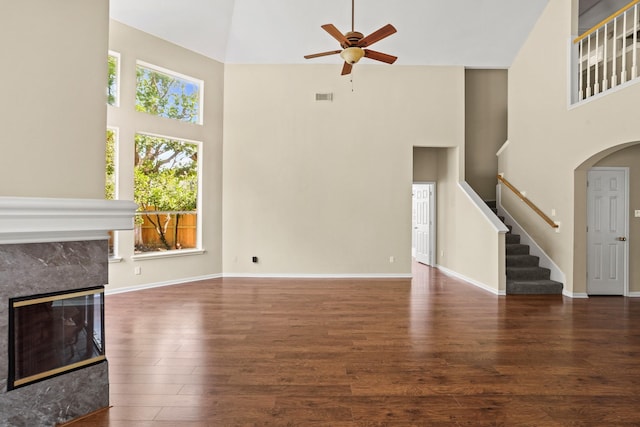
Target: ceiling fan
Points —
{"points": [[353, 44]]}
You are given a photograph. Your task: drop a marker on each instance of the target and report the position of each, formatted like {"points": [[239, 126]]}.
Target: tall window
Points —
{"points": [[166, 191], [110, 178], [167, 94], [113, 83], [166, 169]]}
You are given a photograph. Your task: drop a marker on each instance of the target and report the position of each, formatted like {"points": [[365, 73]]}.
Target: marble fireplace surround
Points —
{"points": [[50, 245]]}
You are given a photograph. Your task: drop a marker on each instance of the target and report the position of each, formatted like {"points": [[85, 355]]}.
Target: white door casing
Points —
{"points": [[607, 231], [424, 223]]}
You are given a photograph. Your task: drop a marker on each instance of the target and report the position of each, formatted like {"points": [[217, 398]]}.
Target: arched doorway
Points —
{"points": [[618, 157]]}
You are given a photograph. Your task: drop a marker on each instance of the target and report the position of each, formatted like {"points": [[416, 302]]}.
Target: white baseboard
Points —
{"points": [[254, 276], [585, 295], [566, 293], [318, 276], [159, 284], [470, 281]]}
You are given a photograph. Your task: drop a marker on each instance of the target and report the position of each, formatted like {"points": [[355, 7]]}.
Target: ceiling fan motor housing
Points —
{"points": [[353, 37]]}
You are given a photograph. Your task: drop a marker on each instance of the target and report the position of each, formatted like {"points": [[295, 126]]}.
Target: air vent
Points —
{"points": [[324, 96]]}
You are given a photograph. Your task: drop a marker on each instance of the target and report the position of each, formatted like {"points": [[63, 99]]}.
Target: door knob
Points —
{"points": [[622, 239]]}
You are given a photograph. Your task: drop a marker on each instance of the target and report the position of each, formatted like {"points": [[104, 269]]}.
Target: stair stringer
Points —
{"points": [[534, 248]]}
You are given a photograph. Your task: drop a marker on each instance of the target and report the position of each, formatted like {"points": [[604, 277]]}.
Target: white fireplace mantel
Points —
{"points": [[31, 220]]}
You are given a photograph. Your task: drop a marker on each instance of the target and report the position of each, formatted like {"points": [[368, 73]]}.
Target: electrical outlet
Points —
{"points": [[636, 213], [392, 259], [137, 270]]}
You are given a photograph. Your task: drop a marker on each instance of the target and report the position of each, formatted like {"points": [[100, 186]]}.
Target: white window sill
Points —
{"points": [[167, 254], [115, 259]]}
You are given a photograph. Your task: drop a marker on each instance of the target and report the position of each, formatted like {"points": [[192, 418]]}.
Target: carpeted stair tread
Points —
{"points": [[510, 239], [524, 260], [516, 249], [528, 273], [531, 287]]}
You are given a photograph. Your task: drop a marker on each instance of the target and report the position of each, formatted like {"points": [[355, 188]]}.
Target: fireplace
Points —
{"points": [[54, 333], [54, 261]]}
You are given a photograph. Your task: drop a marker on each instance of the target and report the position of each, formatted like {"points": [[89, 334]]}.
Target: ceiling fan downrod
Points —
{"points": [[353, 10]]}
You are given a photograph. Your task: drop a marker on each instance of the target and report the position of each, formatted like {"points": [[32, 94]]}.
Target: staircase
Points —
{"points": [[524, 274]]}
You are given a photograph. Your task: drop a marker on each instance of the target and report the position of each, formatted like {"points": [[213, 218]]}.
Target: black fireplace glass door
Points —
{"points": [[54, 333]]}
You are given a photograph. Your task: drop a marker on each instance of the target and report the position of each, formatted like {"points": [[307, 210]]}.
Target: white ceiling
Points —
{"points": [[472, 33]]}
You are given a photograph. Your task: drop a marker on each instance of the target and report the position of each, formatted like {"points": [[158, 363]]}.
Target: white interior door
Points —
{"points": [[607, 231], [424, 223]]}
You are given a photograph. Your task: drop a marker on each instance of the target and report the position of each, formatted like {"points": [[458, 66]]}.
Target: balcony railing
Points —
{"points": [[608, 53]]}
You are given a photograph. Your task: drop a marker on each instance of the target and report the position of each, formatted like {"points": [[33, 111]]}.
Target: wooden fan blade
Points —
{"points": [[376, 36], [317, 55], [335, 33], [346, 69], [379, 56]]}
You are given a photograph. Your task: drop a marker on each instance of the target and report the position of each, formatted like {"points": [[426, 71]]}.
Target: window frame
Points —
{"points": [[118, 57], [178, 75], [178, 252], [116, 188]]}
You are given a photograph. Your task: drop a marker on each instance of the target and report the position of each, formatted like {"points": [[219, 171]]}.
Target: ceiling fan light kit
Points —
{"points": [[354, 43], [352, 55]]}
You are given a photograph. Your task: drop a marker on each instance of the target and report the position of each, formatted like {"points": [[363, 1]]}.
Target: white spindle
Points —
{"points": [[596, 65], [604, 57], [589, 93], [580, 62], [623, 68], [634, 46], [614, 61]]}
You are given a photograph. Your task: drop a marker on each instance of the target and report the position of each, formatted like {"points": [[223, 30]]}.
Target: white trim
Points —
{"points": [[502, 148], [256, 276], [199, 166], [483, 207], [573, 69], [167, 254], [317, 276], [178, 75], [471, 281], [634, 295], [576, 295], [118, 80], [159, 284], [32, 219]]}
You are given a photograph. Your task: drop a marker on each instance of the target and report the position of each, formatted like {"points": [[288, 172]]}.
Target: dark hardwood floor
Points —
{"points": [[428, 352]]}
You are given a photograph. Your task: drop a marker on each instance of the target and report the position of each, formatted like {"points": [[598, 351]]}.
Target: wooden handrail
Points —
{"points": [[527, 201], [605, 20]]}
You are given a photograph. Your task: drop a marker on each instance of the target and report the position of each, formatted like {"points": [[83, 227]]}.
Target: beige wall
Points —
{"points": [[425, 164], [485, 128], [551, 144], [53, 109], [310, 188], [135, 45], [325, 187]]}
